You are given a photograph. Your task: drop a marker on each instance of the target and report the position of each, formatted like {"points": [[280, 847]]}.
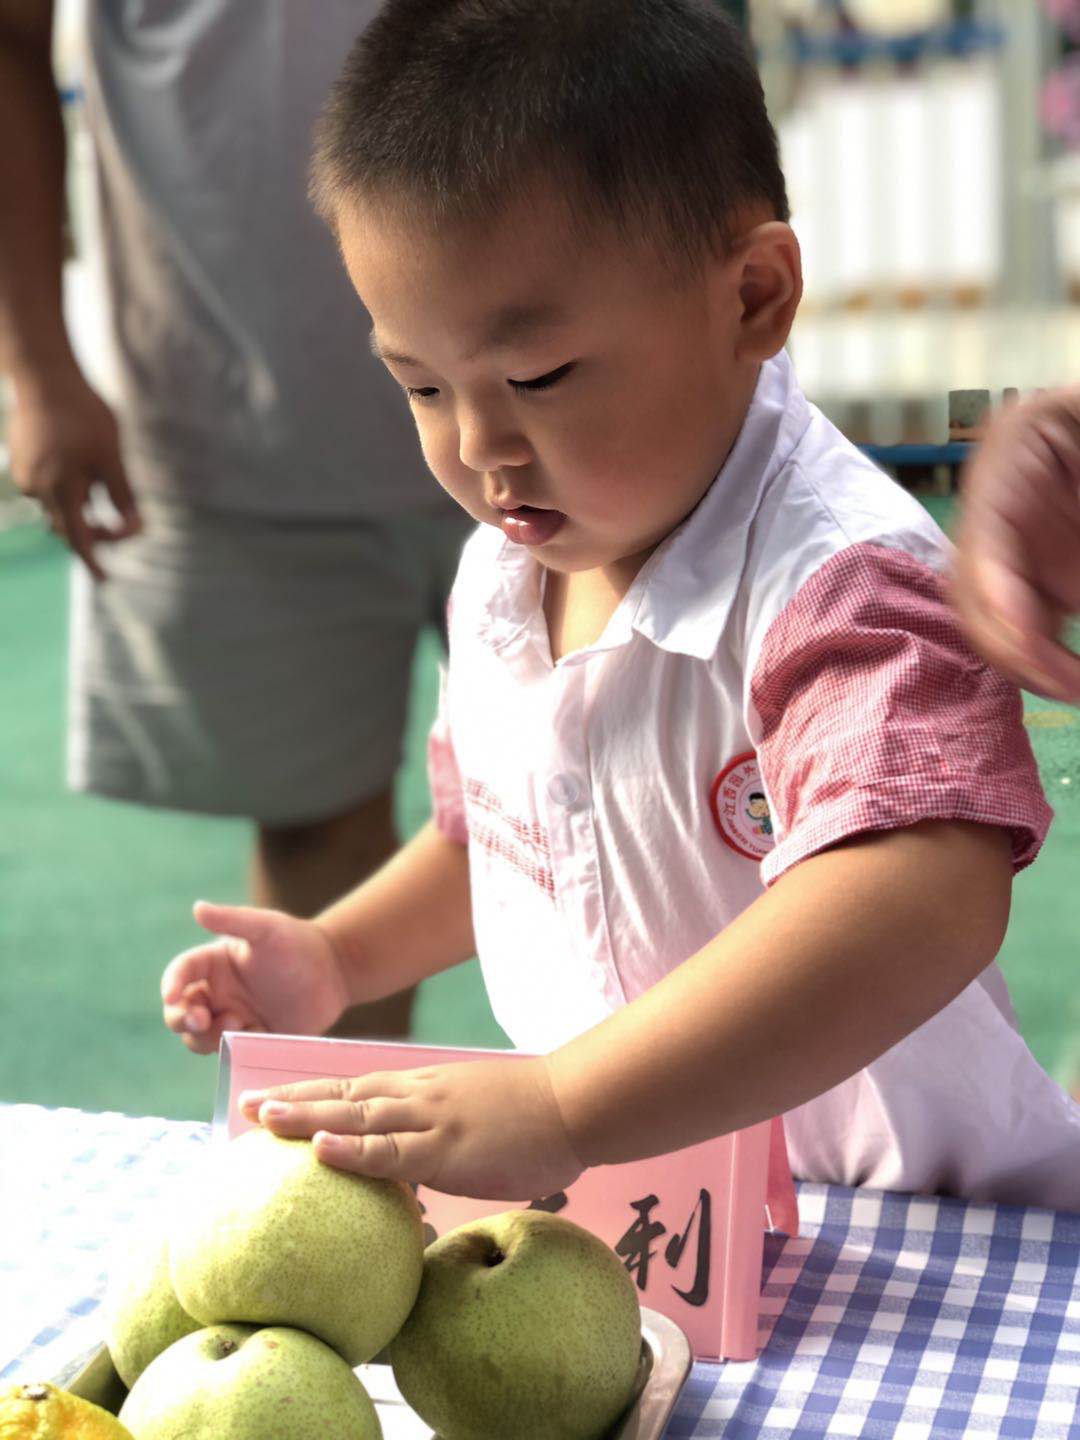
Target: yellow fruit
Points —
{"points": [[42, 1412]]}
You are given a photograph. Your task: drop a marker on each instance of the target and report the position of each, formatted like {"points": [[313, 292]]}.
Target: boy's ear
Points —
{"points": [[767, 266]]}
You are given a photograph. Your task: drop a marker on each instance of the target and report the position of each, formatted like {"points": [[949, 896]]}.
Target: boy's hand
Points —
{"points": [[269, 971], [488, 1128]]}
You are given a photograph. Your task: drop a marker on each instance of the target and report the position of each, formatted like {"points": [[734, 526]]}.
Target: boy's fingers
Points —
{"points": [[201, 1042], [200, 1018], [246, 921], [389, 1083], [173, 980], [232, 1020], [175, 1017], [393, 1156], [339, 1117], [394, 1083], [189, 969], [198, 966], [328, 1089], [191, 1012]]}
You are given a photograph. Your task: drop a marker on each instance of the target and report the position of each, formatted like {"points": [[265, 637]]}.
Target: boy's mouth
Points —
{"points": [[526, 525]]}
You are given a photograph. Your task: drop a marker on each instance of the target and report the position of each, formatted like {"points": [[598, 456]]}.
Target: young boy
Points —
{"points": [[569, 226]]}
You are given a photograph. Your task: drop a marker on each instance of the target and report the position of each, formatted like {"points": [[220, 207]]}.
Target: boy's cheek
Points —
{"points": [[438, 452], [461, 484]]}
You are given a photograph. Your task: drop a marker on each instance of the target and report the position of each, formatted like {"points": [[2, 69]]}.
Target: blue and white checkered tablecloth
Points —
{"points": [[891, 1316]]}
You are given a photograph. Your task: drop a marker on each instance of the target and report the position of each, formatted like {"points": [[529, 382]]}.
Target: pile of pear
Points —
{"points": [[39, 1411], [277, 1275]]}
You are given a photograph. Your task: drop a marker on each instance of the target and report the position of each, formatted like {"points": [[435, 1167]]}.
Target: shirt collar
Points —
{"points": [[683, 594], [681, 597]]}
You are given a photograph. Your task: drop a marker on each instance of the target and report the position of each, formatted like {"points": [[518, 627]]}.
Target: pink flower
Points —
{"points": [[1066, 14], [1059, 104]]}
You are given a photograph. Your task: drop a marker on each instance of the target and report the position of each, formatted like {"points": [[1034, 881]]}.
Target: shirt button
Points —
{"points": [[563, 790]]}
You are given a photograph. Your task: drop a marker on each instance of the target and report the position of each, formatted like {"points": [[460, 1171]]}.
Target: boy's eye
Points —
{"points": [[540, 382], [543, 382]]}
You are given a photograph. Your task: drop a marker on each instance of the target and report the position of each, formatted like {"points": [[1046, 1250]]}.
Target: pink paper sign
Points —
{"points": [[689, 1226]]}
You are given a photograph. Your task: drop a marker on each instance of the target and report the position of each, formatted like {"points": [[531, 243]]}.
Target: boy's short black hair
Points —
{"points": [[649, 113]]}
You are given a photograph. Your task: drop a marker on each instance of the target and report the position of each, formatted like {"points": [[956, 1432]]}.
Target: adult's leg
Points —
{"points": [[303, 868], [243, 667]]}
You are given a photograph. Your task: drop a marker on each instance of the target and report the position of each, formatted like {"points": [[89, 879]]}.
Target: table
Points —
{"points": [[892, 1315]]}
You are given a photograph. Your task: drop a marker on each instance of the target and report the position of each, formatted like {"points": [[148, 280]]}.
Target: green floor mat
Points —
{"points": [[95, 896]]}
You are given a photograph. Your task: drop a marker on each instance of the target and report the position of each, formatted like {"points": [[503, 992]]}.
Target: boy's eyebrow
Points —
{"points": [[514, 324], [391, 357], [507, 327]]}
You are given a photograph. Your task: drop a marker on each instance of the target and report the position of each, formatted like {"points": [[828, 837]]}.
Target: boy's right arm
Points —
{"points": [[273, 972], [63, 438], [411, 919]]}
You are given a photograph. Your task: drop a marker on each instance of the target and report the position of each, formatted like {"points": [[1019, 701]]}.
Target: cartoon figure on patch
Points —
{"points": [[740, 808], [757, 808]]}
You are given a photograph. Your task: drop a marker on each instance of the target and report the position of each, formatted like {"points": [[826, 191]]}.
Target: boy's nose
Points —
{"points": [[488, 442]]}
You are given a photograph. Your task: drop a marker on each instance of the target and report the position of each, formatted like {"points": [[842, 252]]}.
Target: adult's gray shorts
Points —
{"points": [[240, 666]]}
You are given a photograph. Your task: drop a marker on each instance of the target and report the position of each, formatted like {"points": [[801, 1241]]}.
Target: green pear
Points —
{"points": [[245, 1384], [527, 1327], [272, 1236], [142, 1314]]}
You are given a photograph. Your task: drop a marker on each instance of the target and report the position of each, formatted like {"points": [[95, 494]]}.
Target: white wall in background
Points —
{"points": [[894, 180]]}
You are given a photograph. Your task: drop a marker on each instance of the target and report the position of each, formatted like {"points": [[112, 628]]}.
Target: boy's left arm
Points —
{"points": [[847, 953]]}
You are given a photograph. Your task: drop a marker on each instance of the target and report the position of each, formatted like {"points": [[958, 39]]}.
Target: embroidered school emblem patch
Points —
{"points": [[740, 809]]}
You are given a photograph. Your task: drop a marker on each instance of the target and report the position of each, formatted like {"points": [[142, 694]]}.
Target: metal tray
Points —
{"points": [[665, 1363]]}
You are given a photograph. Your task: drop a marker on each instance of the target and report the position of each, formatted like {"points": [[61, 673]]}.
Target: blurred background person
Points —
{"points": [[259, 542]]}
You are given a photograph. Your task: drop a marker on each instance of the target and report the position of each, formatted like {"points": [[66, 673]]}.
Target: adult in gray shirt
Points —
{"points": [[244, 620]]}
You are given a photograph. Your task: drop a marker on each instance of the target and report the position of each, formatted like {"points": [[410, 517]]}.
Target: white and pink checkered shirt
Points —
{"points": [[782, 673]]}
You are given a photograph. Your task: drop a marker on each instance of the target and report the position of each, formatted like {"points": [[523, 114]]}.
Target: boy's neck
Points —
{"points": [[578, 606]]}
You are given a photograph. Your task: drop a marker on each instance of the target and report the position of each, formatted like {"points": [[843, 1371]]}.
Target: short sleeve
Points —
{"points": [[875, 714], [444, 777]]}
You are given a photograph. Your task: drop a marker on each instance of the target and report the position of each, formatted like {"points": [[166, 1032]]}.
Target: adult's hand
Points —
{"points": [[64, 440], [1016, 578]]}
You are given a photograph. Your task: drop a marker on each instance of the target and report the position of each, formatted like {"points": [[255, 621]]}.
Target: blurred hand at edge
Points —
{"points": [[1016, 576]]}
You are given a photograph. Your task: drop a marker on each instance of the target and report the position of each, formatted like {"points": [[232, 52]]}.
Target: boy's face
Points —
{"points": [[575, 394]]}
